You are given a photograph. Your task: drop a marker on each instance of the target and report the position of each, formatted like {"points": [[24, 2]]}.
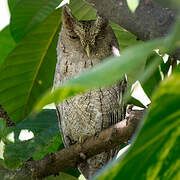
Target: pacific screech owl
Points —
{"points": [[81, 45]]}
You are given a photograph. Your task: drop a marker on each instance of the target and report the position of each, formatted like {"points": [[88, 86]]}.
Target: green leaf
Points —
{"points": [[52, 147], [73, 172], [6, 43], [12, 4], [143, 77], [27, 14], [165, 67], [28, 71], [153, 81], [45, 129], [157, 146], [2, 127], [82, 10], [124, 37], [132, 4], [173, 40], [135, 102], [2, 164], [101, 75], [177, 69]]}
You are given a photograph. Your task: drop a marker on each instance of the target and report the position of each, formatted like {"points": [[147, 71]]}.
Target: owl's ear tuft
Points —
{"points": [[68, 19], [101, 23]]}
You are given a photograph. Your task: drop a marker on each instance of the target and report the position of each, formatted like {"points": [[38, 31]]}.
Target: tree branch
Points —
{"points": [[75, 154], [148, 22]]}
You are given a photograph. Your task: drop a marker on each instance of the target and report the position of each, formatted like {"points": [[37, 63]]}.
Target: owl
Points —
{"points": [[82, 45]]}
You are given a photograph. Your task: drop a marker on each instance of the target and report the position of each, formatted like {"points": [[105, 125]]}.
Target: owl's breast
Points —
{"points": [[89, 113]]}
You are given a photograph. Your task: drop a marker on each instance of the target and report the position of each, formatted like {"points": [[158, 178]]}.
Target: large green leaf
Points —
{"points": [[28, 70], [51, 147], [37, 69], [165, 67], [46, 138], [12, 4], [6, 43], [27, 14], [2, 127], [124, 37], [173, 40], [102, 74], [73, 172], [155, 153], [143, 77], [153, 81], [82, 10], [135, 102]]}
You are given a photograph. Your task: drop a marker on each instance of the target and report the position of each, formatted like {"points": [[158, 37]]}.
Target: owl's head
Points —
{"points": [[87, 32]]}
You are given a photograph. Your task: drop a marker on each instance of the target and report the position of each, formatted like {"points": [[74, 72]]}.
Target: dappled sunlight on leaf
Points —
{"points": [[33, 135], [25, 134], [1, 149], [139, 94], [10, 137], [25, 70]]}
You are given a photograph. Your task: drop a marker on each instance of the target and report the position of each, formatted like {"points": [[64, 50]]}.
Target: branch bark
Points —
{"points": [[70, 157], [148, 22]]}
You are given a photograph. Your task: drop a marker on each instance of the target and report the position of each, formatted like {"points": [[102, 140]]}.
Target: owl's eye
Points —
{"points": [[73, 37]]}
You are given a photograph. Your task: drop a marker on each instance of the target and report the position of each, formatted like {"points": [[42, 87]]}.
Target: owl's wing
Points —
{"points": [[119, 113], [115, 117]]}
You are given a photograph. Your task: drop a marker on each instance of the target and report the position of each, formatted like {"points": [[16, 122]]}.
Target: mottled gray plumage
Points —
{"points": [[83, 44]]}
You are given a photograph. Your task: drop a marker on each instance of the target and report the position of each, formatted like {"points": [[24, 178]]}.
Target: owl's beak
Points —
{"points": [[88, 50]]}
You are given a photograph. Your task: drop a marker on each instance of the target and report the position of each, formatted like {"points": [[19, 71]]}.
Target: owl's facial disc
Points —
{"points": [[88, 44], [87, 34]]}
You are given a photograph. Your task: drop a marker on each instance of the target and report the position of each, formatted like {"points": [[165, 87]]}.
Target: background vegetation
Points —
{"points": [[27, 65]]}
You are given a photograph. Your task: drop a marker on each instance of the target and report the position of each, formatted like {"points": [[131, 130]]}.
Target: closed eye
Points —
{"points": [[74, 37]]}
